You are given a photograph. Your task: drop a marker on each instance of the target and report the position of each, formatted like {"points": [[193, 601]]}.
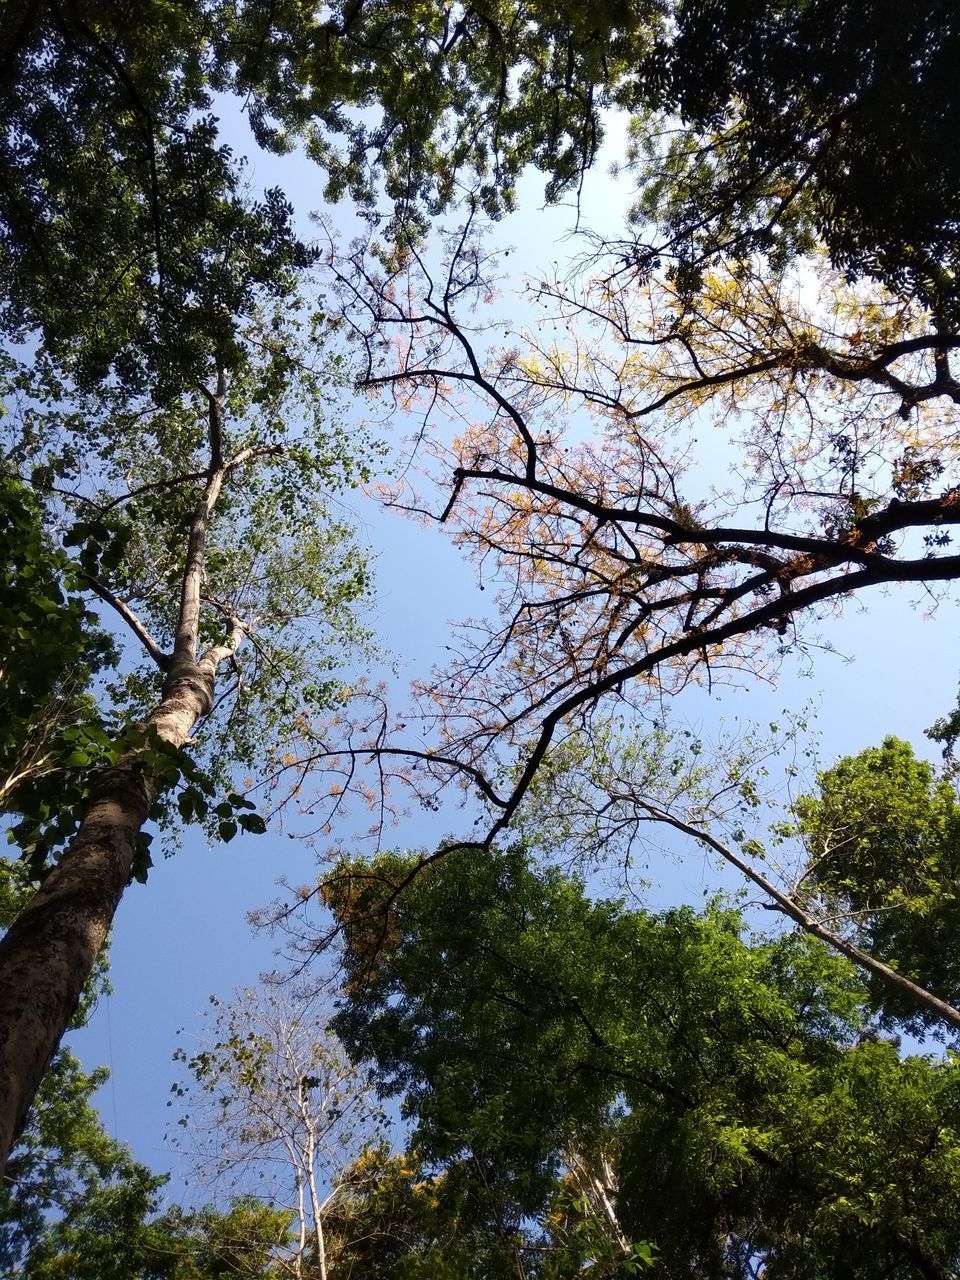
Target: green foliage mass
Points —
{"points": [[750, 1114], [108, 424], [801, 119], [451, 98], [735, 1086], [118, 1236], [393, 1218], [882, 834], [116, 184], [125, 237], [49, 633], [812, 120], [50, 730]]}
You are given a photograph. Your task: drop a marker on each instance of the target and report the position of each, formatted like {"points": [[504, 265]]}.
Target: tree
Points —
{"points": [[66, 1172], [800, 121], [63, 1155], [127, 250], [98, 108], [398, 1217], [277, 1112], [117, 1235], [75, 1205], [393, 1218], [881, 831], [609, 796], [467, 96], [156, 297], [626, 574], [188, 540], [228, 587], [759, 127], [751, 1116], [787, 139]]}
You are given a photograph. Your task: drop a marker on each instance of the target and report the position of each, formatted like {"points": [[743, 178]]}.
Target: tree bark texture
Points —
{"points": [[50, 950]]}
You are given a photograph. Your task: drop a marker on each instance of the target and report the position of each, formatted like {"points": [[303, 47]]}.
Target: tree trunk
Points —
{"points": [[48, 953]]}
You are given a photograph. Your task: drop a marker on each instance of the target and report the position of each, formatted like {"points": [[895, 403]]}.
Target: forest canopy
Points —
{"points": [[675, 455]]}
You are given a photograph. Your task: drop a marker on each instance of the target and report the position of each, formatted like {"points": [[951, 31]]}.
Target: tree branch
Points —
{"points": [[791, 908], [130, 618]]}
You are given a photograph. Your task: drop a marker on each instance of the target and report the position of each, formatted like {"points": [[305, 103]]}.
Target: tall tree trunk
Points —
{"points": [[50, 950], [48, 953]]}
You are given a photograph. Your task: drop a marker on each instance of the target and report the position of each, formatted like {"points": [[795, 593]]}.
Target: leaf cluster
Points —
{"points": [[126, 238], [806, 122], [434, 100], [882, 837]]}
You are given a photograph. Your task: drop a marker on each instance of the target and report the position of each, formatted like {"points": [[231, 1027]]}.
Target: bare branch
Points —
{"points": [[130, 618], [791, 908]]}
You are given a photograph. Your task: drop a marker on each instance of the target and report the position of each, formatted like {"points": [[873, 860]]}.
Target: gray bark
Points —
{"points": [[49, 951]]}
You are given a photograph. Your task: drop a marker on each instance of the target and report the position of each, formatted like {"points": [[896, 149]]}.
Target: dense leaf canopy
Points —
{"points": [[882, 833], [749, 1112], [810, 120]]}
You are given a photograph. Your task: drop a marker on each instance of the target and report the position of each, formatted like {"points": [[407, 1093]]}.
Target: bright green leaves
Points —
{"points": [[882, 834], [51, 733], [743, 1107], [881, 828]]}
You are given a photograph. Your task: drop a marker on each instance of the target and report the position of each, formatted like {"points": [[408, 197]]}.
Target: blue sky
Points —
{"points": [[185, 936]]}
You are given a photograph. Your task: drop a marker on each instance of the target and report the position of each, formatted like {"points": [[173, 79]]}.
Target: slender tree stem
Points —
{"points": [[791, 908]]}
